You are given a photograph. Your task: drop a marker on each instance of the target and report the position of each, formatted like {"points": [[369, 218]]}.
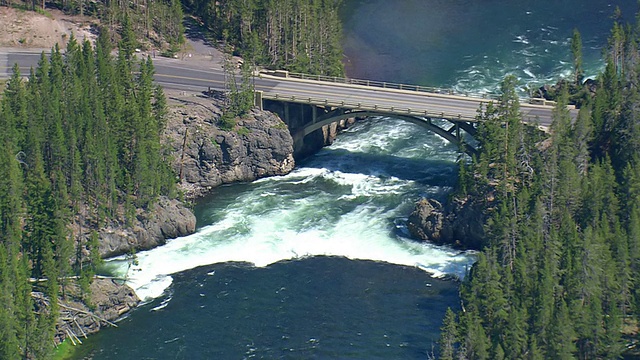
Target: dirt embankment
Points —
{"points": [[28, 29]]}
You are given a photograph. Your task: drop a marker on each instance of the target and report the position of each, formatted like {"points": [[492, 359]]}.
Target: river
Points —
{"points": [[470, 45], [317, 264]]}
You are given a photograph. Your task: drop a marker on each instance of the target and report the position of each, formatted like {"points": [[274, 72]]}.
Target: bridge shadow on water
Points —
{"points": [[428, 172]]}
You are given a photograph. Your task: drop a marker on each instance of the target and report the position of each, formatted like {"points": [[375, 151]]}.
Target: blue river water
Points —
{"points": [[470, 45], [317, 264], [318, 308]]}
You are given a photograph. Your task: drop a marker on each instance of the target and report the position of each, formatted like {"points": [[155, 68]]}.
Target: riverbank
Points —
{"points": [[85, 314], [203, 156]]}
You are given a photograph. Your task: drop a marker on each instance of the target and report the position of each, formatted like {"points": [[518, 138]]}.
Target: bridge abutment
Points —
{"points": [[298, 117]]}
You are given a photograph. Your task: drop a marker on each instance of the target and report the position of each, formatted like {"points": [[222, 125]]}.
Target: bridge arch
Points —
{"points": [[452, 134]]}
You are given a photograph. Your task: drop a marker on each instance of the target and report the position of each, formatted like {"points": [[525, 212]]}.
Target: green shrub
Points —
{"points": [[243, 131], [227, 121]]}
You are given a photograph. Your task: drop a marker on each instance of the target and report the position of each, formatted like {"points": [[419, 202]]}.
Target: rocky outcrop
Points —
{"points": [[459, 224], [429, 222], [168, 219], [578, 92], [109, 300], [206, 156]]}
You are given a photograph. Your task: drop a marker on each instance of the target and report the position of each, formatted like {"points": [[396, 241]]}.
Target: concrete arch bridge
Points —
{"points": [[310, 102]]}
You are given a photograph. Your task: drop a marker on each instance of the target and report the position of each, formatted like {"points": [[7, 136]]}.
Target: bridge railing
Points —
{"points": [[394, 110], [379, 84]]}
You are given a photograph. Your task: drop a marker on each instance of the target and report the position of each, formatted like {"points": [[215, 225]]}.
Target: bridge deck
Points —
{"points": [[399, 99]]}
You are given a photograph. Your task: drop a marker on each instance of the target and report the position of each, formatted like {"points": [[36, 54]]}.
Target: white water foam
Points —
{"points": [[521, 39], [357, 235], [312, 211]]}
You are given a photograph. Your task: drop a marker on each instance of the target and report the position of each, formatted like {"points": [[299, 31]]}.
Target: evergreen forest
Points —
{"points": [[296, 35], [558, 277], [80, 145]]}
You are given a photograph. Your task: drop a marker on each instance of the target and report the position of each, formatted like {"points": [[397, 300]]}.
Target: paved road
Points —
{"points": [[199, 75]]}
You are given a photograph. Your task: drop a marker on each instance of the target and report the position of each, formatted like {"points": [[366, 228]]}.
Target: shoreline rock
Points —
{"points": [[109, 301], [459, 224], [169, 219], [205, 157]]}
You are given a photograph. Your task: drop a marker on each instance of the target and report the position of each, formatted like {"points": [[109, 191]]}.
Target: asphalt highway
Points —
{"points": [[201, 75]]}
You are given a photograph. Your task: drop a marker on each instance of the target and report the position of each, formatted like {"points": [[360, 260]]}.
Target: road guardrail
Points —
{"points": [[367, 107], [378, 84]]}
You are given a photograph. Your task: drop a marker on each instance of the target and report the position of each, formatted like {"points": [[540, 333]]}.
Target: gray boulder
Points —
{"points": [[459, 224], [168, 219], [428, 222]]}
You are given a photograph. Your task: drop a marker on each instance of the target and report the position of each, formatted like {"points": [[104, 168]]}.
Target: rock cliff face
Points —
{"points": [[206, 156], [167, 220], [459, 224], [429, 222]]}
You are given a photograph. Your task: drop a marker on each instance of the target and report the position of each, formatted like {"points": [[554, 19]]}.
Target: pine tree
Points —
{"points": [[16, 102], [561, 338], [515, 335], [448, 336], [576, 52], [11, 313], [128, 44], [476, 342]]}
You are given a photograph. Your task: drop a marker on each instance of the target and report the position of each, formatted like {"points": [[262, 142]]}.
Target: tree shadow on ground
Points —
{"points": [[194, 30]]}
